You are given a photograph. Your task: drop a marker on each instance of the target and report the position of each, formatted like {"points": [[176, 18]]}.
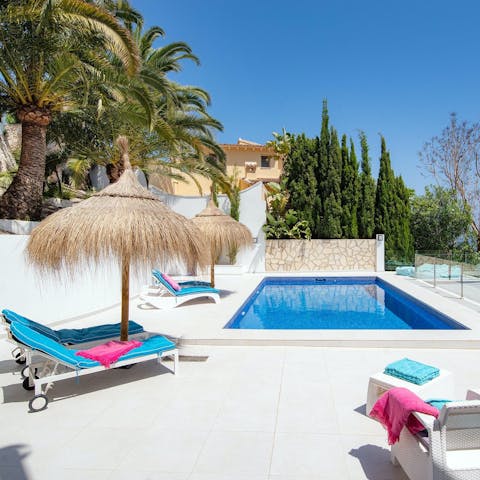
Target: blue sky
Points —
{"points": [[398, 68]]}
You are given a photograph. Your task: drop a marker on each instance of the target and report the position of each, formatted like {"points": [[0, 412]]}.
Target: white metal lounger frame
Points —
{"points": [[47, 371], [452, 449], [160, 297], [18, 353]]}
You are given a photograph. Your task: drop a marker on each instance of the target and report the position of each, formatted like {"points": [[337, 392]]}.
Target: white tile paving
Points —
{"points": [[248, 412], [165, 450], [318, 454], [140, 474], [263, 413], [55, 473], [236, 453]]}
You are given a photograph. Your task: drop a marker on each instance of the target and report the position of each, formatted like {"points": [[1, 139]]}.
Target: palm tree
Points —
{"points": [[181, 119], [49, 53], [169, 128]]}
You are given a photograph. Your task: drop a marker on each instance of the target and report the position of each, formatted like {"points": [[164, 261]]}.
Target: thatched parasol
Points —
{"points": [[222, 232], [124, 222]]}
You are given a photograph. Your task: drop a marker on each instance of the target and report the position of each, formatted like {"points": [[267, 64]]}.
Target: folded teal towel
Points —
{"points": [[411, 371], [437, 402]]}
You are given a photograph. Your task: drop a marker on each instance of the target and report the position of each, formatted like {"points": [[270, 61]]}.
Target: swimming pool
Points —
{"points": [[345, 303]]}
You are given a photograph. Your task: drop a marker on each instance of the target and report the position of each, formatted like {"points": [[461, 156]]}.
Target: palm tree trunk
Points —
{"points": [[23, 198]]}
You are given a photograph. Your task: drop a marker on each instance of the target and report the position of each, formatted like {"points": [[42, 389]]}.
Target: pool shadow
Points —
{"points": [[375, 463], [375, 460], [73, 387], [7, 366], [362, 410], [11, 462]]}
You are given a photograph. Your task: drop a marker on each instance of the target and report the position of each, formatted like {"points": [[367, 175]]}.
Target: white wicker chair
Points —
{"points": [[451, 451]]}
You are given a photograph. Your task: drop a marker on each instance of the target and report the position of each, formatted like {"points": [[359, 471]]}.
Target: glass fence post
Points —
{"points": [[450, 265], [435, 273], [461, 281]]}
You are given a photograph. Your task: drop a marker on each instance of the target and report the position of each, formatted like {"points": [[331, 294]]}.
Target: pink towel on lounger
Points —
{"points": [[393, 410], [109, 352]]}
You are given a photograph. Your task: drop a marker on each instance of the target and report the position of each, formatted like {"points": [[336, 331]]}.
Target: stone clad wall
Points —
{"points": [[13, 136], [7, 161], [313, 255]]}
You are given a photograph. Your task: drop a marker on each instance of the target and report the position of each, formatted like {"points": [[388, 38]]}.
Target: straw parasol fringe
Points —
{"points": [[125, 222], [222, 232]]}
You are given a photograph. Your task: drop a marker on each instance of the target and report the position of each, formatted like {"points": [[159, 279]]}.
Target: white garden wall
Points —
{"points": [[47, 300], [252, 215]]}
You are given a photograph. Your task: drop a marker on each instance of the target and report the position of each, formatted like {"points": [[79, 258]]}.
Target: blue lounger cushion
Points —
{"points": [[437, 402], [74, 335], [194, 283], [189, 290], [184, 290], [412, 371], [37, 341], [98, 332], [12, 317], [188, 283]]}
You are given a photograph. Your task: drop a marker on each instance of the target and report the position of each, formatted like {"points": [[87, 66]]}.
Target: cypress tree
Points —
{"points": [[321, 172], [385, 197], [392, 210], [402, 235], [366, 196], [355, 190], [349, 190], [300, 181], [332, 210]]}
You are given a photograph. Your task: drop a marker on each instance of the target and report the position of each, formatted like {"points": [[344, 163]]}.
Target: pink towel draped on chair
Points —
{"points": [[109, 352], [393, 410]]}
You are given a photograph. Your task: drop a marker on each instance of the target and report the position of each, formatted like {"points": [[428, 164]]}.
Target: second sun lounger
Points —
{"points": [[157, 274], [163, 295]]}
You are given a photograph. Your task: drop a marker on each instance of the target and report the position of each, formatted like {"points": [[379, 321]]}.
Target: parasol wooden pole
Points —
{"points": [[125, 297], [212, 273]]}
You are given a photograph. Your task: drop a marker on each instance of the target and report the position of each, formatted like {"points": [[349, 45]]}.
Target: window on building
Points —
{"points": [[265, 161]]}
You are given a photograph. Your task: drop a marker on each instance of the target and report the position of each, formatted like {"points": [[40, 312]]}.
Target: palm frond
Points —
{"points": [[89, 16]]}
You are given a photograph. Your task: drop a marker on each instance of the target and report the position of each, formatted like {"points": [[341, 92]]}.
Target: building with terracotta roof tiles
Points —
{"points": [[248, 161]]}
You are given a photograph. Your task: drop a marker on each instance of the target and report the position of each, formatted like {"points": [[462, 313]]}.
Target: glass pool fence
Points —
{"points": [[455, 272]]}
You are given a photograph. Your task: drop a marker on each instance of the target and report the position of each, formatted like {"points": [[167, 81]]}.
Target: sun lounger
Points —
{"points": [[57, 355], [163, 295], [157, 275], [67, 336]]}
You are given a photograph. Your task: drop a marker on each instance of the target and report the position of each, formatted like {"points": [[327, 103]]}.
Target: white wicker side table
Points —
{"points": [[440, 387]]}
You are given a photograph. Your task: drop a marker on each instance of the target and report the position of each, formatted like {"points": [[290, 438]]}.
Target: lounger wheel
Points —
{"points": [[38, 403], [19, 356], [26, 384], [24, 372]]}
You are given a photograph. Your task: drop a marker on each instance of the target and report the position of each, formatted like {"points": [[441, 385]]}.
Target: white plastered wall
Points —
{"points": [[47, 299], [252, 215]]}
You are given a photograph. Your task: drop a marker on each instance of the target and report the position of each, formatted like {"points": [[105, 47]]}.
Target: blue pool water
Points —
{"points": [[335, 303]]}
